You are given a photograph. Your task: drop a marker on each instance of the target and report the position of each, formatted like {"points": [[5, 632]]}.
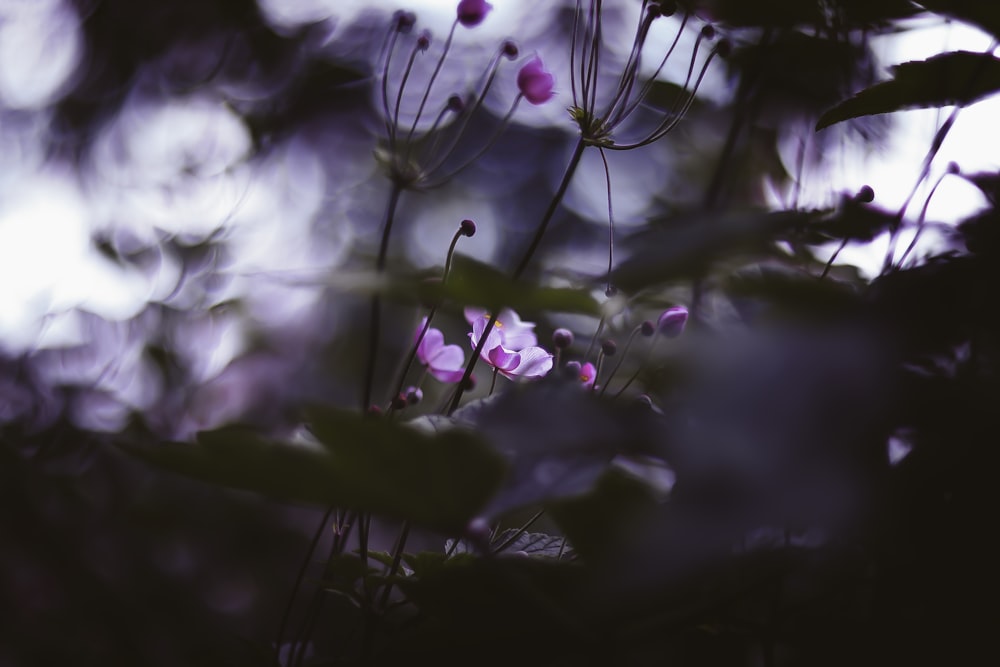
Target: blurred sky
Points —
{"points": [[173, 172]]}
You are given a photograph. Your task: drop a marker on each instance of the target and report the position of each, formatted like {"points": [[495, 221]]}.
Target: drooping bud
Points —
{"points": [[609, 347], [467, 228], [953, 168], [404, 21], [509, 49], [865, 195], [672, 321], [535, 82], [472, 12], [647, 328], [562, 338], [668, 7], [413, 395], [424, 40]]}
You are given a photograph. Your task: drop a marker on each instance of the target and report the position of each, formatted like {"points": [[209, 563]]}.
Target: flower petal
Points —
{"points": [[534, 362]]}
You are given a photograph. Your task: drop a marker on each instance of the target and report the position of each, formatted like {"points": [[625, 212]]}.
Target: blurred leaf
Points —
{"points": [[595, 523], [369, 464], [986, 15], [956, 78], [684, 246], [796, 13], [559, 440], [792, 291], [473, 283]]}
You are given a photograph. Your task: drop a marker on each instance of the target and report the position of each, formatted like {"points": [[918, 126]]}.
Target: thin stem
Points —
{"points": [[301, 576], [520, 531], [493, 383], [593, 339], [632, 64], [402, 88], [921, 219], [611, 219], [543, 225], [396, 560], [629, 108], [430, 83], [649, 353], [390, 46], [375, 317], [621, 360], [572, 52]]}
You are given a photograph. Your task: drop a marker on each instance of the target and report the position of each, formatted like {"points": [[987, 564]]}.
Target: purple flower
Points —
{"points": [[514, 333], [527, 362], [444, 362], [472, 12], [672, 321], [535, 82], [586, 373]]}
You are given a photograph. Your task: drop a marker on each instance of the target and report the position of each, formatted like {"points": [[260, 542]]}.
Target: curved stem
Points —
{"points": [[375, 317], [543, 225], [430, 83]]}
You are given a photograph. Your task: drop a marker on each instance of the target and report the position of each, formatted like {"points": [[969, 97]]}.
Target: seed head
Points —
{"points": [[467, 228]]}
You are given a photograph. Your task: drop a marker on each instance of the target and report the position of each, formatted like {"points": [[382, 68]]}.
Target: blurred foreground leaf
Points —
{"points": [[957, 78], [439, 481]]}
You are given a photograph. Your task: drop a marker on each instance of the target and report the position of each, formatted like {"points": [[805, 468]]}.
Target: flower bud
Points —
{"points": [[424, 41], [404, 21], [668, 7], [509, 49], [478, 530], [535, 82], [672, 321], [467, 228], [562, 338], [609, 347], [456, 104], [647, 328], [654, 11], [398, 402], [708, 32], [470, 384], [724, 48], [413, 395], [472, 12], [611, 291], [374, 411], [865, 195], [953, 168]]}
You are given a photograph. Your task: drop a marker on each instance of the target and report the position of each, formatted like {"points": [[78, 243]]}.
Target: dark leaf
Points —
{"points": [[986, 15], [956, 78], [685, 246], [439, 482]]}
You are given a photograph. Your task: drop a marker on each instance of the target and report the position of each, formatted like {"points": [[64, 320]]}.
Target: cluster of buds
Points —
{"points": [[424, 158], [597, 125]]}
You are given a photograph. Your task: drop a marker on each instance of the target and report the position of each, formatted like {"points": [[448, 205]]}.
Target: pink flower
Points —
{"points": [[586, 373], [672, 321], [444, 362], [472, 12], [527, 362], [535, 82], [515, 334]]}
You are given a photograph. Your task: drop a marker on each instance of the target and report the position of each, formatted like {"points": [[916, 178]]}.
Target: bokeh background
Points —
{"points": [[189, 196]]}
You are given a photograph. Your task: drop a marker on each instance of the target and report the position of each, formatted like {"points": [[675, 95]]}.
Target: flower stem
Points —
{"points": [[543, 225], [375, 319]]}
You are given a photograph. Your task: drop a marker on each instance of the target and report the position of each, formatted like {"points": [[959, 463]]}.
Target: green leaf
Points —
{"points": [[437, 481], [957, 78], [473, 283]]}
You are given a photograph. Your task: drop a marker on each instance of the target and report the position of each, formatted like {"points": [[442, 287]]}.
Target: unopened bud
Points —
{"points": [[467, 228], [468, 384], [414, 395], [479, 531], [610, 291], [398, 402], [953, 168], [456, 104], [562, 338], [374, 411], [647, 328], [865, 195], [668, 7], [609, 347], [672, 321], [509, 50], [724, 48], [404, 21], [654, 11], [708, 32], [424, 41]]}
